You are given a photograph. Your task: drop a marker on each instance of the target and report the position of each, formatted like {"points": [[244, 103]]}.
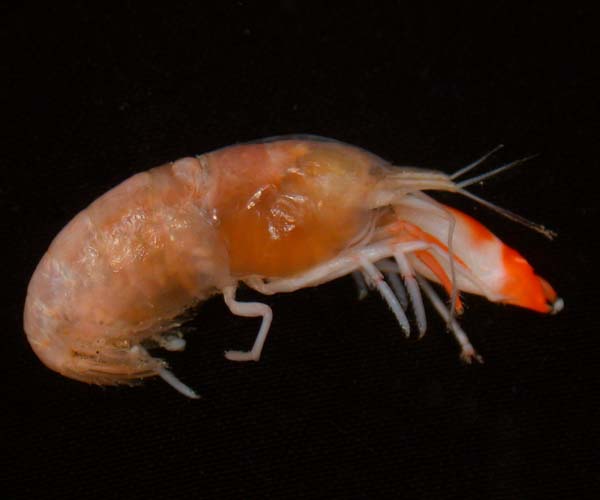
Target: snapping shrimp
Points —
{"points": [[277, 215]]}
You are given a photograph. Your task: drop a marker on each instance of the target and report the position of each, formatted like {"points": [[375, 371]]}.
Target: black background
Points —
{"points": [[340, 405]]}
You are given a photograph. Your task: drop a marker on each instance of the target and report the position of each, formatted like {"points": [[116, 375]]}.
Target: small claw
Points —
{"points": [[406, 332], [468, 355]]}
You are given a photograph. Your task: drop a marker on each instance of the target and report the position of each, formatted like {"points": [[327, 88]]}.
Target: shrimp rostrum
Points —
{"points": [[277, 215]]}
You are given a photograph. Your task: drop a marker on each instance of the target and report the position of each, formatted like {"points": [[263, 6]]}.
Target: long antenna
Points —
{"points": [[471, 166], [478, 178], [510, 215]]}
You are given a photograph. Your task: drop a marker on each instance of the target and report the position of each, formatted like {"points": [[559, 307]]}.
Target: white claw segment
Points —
{"points": [[249, 309], [386, 292], [398, 287], [390, 270], [413, 292], [242, 356]]}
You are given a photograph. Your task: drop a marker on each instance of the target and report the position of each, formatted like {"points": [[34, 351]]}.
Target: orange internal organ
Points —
{"points": [[298, 207]]}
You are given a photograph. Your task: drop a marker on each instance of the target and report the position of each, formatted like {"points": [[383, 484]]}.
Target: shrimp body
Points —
{"points": [[277, 215]]}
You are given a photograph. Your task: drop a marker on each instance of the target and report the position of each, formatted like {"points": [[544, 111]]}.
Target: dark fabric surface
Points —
{"points": [[340, 406]]}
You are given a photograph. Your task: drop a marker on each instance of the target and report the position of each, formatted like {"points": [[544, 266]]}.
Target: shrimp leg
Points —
{"points": [[335, 268], [396, 284], [412, 287], [467, 351], [361, 259], [167, 375], [248, 309], [386, 292], [390, 272], [361, 285]]}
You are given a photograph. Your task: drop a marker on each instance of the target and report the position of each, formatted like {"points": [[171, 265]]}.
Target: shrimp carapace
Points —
{"points": [[278, 215], [287, 206]]}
